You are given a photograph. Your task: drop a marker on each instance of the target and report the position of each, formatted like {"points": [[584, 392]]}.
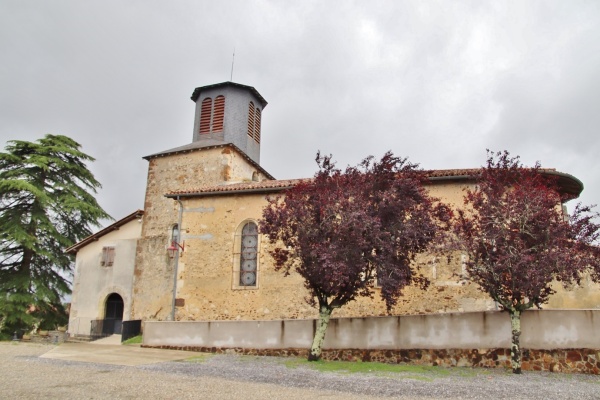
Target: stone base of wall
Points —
{"points": [[563, 360], [585, 361], [52, 337]]}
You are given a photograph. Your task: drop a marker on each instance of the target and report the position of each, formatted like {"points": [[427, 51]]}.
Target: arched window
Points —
{"points": [[251, 119], [218, 114], [257, 126], [205, 115], [245, 256]]}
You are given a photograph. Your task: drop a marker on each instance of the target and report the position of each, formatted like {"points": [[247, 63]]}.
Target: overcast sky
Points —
{"points": [[436, 81]]}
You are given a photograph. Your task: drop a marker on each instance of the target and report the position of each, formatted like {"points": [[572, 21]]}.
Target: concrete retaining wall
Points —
{"points": [[542, 329]]}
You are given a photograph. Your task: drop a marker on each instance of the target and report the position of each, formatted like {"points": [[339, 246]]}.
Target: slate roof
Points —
{"points": [[198, 90]]}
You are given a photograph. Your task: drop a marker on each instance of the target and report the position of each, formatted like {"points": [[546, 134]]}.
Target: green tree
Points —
{"points": [[46, 205]]}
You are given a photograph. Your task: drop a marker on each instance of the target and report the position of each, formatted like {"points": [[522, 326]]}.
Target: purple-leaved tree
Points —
{"points": [[519, 241], [344, 230]]}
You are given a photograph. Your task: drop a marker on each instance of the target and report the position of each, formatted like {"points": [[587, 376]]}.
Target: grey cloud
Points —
{"points": [[436, 81]]}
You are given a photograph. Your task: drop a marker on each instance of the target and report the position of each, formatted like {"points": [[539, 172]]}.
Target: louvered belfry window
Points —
{"points": [[254, 122], [251, 119], [205, 115], [211, 117], [257, 126], [218, 114], [248, 254]]}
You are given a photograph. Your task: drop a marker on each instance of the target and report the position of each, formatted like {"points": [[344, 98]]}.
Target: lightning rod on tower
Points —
{"points": [[232, 60]]}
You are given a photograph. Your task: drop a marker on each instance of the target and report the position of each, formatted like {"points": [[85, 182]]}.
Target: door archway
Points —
{"points": [[113, 312]]}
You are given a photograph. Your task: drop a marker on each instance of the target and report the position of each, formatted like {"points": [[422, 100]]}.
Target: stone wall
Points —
{"points": [[52, 337], [207, 272], [584, 361], [153, 281]]}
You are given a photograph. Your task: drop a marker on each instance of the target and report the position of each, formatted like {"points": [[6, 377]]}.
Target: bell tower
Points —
{"points": [[229, 113]]}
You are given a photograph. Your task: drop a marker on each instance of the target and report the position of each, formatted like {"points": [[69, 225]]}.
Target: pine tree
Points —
{"points": [[46, 205]]}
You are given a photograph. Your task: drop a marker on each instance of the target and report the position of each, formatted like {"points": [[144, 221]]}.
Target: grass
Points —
{"points": [[426, 373], [199, 358], [134, 340], [400, 371], [420, 372]]}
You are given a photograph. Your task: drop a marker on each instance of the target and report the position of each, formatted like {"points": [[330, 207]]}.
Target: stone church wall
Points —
{"points": [[187, 171], [206, 282]]}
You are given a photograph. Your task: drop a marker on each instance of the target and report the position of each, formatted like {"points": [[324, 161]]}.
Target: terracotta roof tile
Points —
{"points": [[264, 186], [567, 182], [433, 173]]}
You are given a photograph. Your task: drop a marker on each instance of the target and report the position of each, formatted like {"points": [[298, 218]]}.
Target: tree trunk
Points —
{"points": [[315, 350], [515, 348]]}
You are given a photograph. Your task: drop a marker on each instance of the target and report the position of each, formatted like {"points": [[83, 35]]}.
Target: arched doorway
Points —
{"points": [[113, 313]]}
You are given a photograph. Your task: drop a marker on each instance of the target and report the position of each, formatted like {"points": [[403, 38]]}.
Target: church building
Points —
{"points": [[194, 252]]}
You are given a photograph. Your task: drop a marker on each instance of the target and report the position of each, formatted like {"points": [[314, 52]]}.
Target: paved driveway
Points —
{"points": [[114, 354], [122, 372]]}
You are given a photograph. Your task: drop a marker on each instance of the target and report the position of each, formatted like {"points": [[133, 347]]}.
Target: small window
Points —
{"points": [[463, 266], [108, 256], [565, 213], [376, 279]]}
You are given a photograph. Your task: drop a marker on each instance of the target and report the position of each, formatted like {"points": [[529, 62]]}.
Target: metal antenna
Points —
{"points": [[232, 60]]}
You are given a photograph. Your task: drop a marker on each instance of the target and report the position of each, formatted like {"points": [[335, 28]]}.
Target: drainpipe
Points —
{"points": [[176, 259]]}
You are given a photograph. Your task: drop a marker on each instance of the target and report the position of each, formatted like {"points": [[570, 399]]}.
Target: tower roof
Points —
{"points": [[197, 91]]}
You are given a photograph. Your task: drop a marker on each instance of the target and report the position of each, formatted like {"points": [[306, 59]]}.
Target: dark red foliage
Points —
{"points": [[517, 237], [342, 230]]}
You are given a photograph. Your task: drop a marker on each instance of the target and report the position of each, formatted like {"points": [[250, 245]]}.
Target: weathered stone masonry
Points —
{"points": [[585, 361]]}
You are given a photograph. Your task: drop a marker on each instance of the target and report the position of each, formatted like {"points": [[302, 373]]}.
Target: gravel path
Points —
{"points": [[23, 375]]}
